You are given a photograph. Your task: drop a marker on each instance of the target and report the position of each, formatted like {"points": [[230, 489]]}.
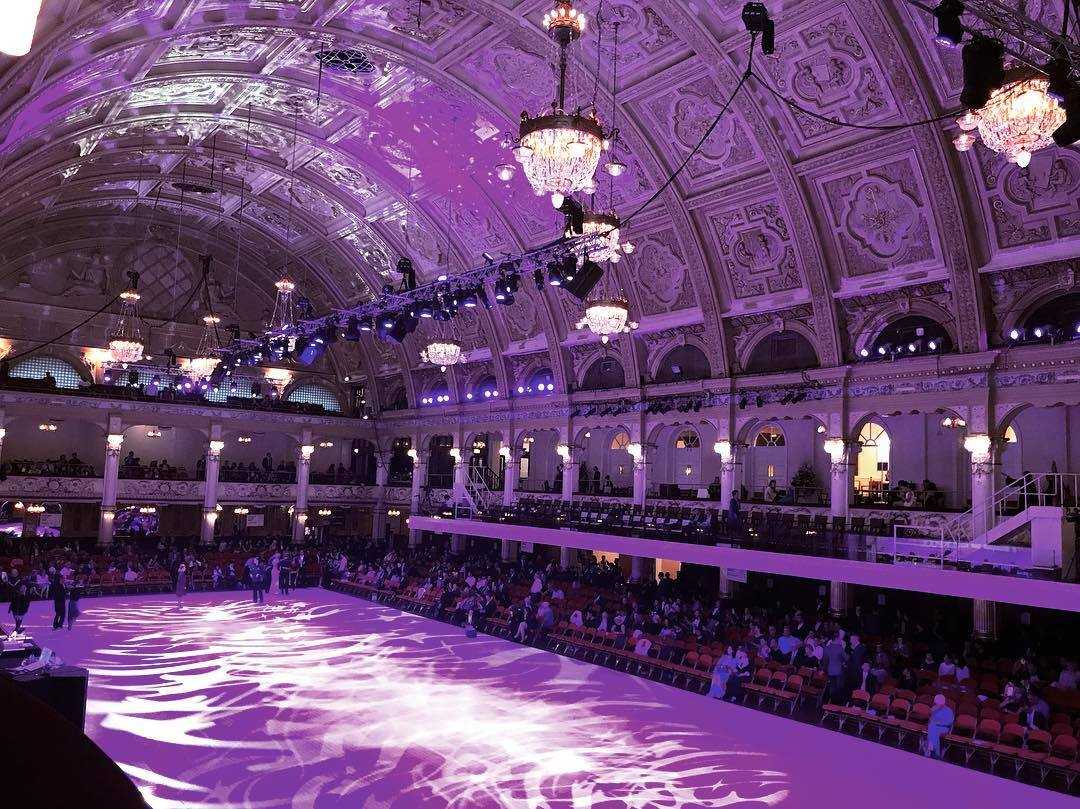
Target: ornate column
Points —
{"points": [[419, 473], [839, 476], [511, 473], [566, 558], [641, 472], [508, 550], [985, 622], [461, 474], [637, 568], [303, 475], [457, 543], [983, 470], [3, 435], [726, 586], [378, 516], [571, 470], [730, 462], [210, 487], [114, 441], [839, 598]]}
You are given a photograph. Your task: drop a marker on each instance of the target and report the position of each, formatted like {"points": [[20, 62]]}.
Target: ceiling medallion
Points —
{"points": [[607, 317], [559, 150], [1019, 119], [443, 353], [601, 231], [125, 339]]}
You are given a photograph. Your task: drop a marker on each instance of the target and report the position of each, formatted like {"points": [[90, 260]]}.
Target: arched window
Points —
{"points": [[439, 394], [605, 373], [316, 395], [913, 334], [872, 465], [440, 464], [781, 351], [770, 436], [688, 439], [1011, 462], [620, 441], [683, 364], [36, 367], [486, 388]]}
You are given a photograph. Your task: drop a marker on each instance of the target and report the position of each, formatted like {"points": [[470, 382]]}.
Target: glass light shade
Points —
{"points": [[18, 19], [607, 317], [443, 353], [1018, 120], [561, 152]]}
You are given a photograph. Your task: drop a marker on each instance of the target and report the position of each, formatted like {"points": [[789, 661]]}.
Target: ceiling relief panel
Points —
{"points": [[242, 44], [514, 73], [827, 67], [187, 91], [880, 217], [660, 278], [437, 17], [680, 116], [1027, 207], [754, 247], [645, 39]]}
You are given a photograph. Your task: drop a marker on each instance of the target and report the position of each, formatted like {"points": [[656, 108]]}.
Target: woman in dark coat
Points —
{"points": [[73, 603], [20, 602]]}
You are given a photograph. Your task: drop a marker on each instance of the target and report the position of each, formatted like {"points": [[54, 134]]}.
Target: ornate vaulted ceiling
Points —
{"points": [[781, 221]]}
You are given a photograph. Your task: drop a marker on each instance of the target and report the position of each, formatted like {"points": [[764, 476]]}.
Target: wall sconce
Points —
{"points": [[979, 446], [325, 512], [243, 439], [301, 517], [35, 509], [153, 432], [689, 470], [114, 441], [951, 423], [19, 505], [240, 510], [106, 513], [325, 444], [47, 427], [563, 451], [820, 429], [413, 454], [836, 449], [635, 451], [306, 451], [393, 512], [216, 447], [723, 449], [504, 452], [455, 453], [147, 509]]}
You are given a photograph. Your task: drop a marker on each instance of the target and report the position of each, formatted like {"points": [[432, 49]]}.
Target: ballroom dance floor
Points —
{"points": [[326, 701]]}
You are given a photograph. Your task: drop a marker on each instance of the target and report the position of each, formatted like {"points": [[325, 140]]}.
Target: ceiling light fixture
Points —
{"points": [[18, 20], [950, 30], [1019, 118], [443, 353], [202, 365], [125, 339], [560, 150], [607, 317], [603, 228]]}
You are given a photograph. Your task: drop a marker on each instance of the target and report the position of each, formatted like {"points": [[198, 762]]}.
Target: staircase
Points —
{"points": [[478, 493], [992, 521]]}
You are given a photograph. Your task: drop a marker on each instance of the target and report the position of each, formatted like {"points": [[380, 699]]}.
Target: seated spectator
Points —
{"points": [[947, 668], [1068, 678]]}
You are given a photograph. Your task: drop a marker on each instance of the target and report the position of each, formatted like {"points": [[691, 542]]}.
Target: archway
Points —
{"points": [[872, 462], [768, 464]]}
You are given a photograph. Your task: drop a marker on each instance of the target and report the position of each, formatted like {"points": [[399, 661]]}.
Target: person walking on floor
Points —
{"points": [[73, 604], [59, 598], [20, 602], [275, 576], [181, 585]]}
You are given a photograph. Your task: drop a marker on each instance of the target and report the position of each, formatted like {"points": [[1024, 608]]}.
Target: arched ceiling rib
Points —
{"points": [[780, 220]]}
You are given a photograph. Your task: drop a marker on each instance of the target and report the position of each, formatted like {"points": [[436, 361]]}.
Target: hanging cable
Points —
{"points": [[701, 142], [847, 124]]}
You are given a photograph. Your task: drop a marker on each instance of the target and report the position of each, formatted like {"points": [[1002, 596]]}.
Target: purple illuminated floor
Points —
{"points": [[328, 701]]}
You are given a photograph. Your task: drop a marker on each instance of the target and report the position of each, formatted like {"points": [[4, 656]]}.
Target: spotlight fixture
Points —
{"points": [[757, 21], [950, 30], [1069, 132], [984, 71]]}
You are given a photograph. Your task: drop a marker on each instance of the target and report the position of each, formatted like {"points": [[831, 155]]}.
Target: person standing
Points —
{"points": [[257, 576], [20, 601], [275, 576], [286, 574], [73, 603], [59, 598], [181, 585], [834, 661]]}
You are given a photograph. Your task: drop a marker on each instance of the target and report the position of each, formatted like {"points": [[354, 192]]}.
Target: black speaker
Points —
{"points": [[587, 277]]}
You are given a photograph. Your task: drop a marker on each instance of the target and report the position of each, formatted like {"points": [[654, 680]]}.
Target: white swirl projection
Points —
{"points": [[349, 704]]}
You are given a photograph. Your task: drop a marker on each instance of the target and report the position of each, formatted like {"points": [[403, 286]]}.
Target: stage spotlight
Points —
{"points": [[1069, 132], [1016, 334], [756, 19], [984, 71], [427, 311], [408, 274], [367, 324], [1058, 86], [882, 351], [469, 301], [538, 279], [481, 295], [932, 345], [950, 30], [864, 353], [575, 216]]}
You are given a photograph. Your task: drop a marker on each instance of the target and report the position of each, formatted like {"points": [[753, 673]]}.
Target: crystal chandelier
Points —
{"points": [[125, 339], [202, 365], [1020, 118], [601, 231], [559, 150], [284, 317], [443, 353], [607, 317]]}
